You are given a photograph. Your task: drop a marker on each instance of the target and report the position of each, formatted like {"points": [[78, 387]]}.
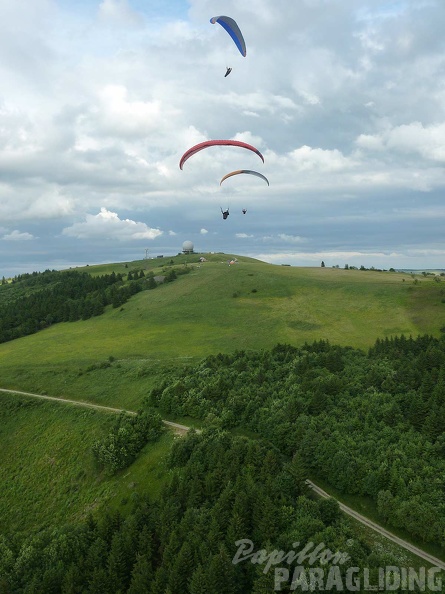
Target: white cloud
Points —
{"points": [[291, 238], [333, 257], [18, 236], [310, 98], [260, 101], [426, 141], [117, 113], [243, 235], [118, 12], [172, 233], [98, 102], [203, 231], [307, 158], [107, 224]]}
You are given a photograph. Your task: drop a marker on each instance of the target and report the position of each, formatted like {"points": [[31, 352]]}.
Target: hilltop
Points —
{"points": [[250, 305], [217, 307], [131, 356]]}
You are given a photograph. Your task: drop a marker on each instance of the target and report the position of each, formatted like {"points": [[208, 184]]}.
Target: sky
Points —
{"points": [[99, 100]]}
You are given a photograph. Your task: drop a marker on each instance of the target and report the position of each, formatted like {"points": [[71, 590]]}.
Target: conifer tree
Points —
{"points": [[141, 575], [199, 582], [182, 569], [221, 573]]}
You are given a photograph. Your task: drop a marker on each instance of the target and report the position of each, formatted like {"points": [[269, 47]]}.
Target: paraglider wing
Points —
{"points": [[202, 145], [238, 171], [233, 30]]}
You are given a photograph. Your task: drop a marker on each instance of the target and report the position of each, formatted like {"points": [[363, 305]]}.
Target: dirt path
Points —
{"points": [[403, 543], [182, 429]]}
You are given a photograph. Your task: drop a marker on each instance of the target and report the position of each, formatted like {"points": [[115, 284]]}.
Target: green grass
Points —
{"points": [[47, 470], [211, 310], [123, 384]]}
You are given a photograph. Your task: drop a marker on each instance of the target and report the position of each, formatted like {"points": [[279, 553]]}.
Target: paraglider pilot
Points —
{"points": [[225, 213], [228, 71], [244, 210]]}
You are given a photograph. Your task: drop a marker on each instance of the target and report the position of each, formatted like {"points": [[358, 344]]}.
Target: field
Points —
{"points": [[217, 308], [47, 469]]}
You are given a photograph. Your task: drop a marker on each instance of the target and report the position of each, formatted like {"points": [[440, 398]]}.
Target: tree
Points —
{"points": [[72, 581], [151, 283], [386, 505], [99, 582], [263, 582], [222, 573], [199, 582], [142, 576], [329, 510], [119, 563], [181, 570]]}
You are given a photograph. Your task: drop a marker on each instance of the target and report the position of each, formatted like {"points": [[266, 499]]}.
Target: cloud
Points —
{"points": [[291, 238], [18, 236], [118, 12], [107, 224], [307, 158], [117, 114], [415, 138], [98, 102], [203, 231], [332, 258]]}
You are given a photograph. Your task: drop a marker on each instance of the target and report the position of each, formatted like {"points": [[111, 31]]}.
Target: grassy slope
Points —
{"points": [[47, 471], [198, 314], [178, 322]]}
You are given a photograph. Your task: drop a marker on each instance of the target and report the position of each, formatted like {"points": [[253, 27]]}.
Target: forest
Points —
{"points": [[367, 423], [222, 489], [32, 302]]}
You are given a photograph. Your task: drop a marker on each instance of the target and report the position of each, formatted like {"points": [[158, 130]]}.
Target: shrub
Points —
{"points": [[130, 434]]}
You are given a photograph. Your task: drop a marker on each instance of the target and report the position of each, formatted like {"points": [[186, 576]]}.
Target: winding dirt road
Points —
{"points": [[182, 429], [175, 426], [403, 543]]}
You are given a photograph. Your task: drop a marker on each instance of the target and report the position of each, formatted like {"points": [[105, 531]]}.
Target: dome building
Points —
{"points": [[187, 247]]}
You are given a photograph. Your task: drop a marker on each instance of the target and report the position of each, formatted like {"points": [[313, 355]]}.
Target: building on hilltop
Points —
{"points": [[187, 247]]}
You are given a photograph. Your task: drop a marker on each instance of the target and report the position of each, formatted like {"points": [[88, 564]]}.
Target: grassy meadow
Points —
{"points": [[46, 466], [47, 470], [216, 308]]}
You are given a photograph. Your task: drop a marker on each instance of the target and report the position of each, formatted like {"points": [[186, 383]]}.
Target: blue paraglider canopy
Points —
{"points": [[233, 30]]}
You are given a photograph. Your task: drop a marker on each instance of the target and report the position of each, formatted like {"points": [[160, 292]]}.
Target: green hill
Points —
{"points": [[117, 357], [217, 308], [47, 470]]}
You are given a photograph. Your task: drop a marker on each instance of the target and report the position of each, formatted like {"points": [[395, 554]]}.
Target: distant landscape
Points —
{"points": [[287, 373]]}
